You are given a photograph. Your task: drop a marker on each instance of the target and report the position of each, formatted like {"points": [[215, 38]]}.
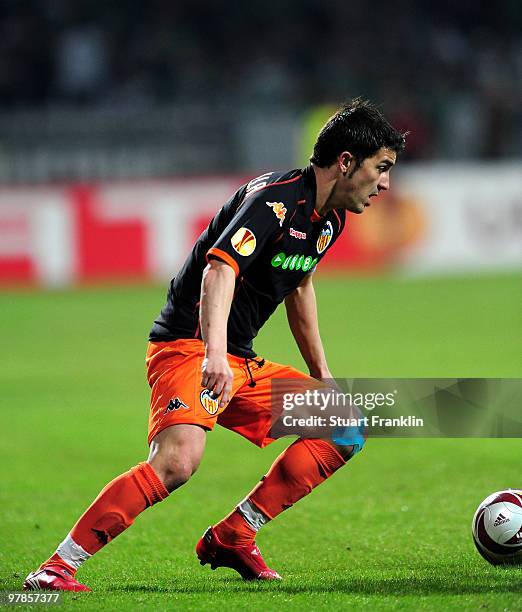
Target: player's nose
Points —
{"points": [[384, 183]]}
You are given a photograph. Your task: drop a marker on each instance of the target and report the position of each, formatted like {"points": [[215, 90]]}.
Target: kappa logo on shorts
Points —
{"points": [[279, 211], [244, 241], [175, 404], [325, 237], [210, 404]]}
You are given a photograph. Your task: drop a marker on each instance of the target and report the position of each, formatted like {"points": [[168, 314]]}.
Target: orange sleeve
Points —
{"points": [[219, 254]]}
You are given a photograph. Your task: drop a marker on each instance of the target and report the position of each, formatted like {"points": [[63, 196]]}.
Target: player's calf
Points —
{"points": [[296, 472], [175, 452], [113, 511]]}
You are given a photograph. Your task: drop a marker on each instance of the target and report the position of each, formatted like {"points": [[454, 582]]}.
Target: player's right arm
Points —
{"points": [[217, 290], [240, 242]]}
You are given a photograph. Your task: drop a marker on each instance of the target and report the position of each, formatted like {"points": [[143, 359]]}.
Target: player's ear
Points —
{"points": [[345, 161]]}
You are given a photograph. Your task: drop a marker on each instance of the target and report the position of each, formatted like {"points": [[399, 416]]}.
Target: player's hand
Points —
{"points": [[217, 377]]}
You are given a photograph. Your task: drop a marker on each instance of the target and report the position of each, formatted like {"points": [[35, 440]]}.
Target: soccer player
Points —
{"points": [[260, 249]]}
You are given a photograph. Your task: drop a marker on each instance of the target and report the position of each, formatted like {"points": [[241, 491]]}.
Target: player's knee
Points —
{"points": [[175, 473], [173, 469], [347, 452], [174, 462], [348, 441]]}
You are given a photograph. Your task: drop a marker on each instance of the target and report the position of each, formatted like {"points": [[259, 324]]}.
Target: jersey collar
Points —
{"points": [[310, 193]]}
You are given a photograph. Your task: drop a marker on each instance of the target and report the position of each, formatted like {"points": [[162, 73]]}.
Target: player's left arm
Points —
{"points": [[301, 311]]}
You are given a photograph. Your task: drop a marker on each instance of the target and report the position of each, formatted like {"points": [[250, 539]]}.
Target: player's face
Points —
{"points": [[355, 188]]}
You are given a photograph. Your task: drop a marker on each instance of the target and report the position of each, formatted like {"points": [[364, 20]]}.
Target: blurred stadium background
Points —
{"points": [[124, 126]]}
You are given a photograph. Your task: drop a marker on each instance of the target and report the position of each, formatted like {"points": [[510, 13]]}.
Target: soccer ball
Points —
{"points": [[497, 527]]}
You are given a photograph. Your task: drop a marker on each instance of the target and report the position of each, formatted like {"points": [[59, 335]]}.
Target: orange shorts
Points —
{"points": [[174, 375]]}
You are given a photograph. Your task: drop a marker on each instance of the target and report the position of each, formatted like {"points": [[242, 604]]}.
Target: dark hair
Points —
{"points": [[358, 127]]}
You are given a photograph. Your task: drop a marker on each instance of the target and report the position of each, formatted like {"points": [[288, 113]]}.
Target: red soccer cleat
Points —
{"points": [[52, 578], [246, 560]]}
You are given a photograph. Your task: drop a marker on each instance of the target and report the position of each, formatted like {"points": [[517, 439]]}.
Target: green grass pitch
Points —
{"points": [[391, 531]]}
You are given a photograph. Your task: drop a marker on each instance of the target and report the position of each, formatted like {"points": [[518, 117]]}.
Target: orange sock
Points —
{"points": [[299, 469], [234, 530], [115, 509], [57, 560]]}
